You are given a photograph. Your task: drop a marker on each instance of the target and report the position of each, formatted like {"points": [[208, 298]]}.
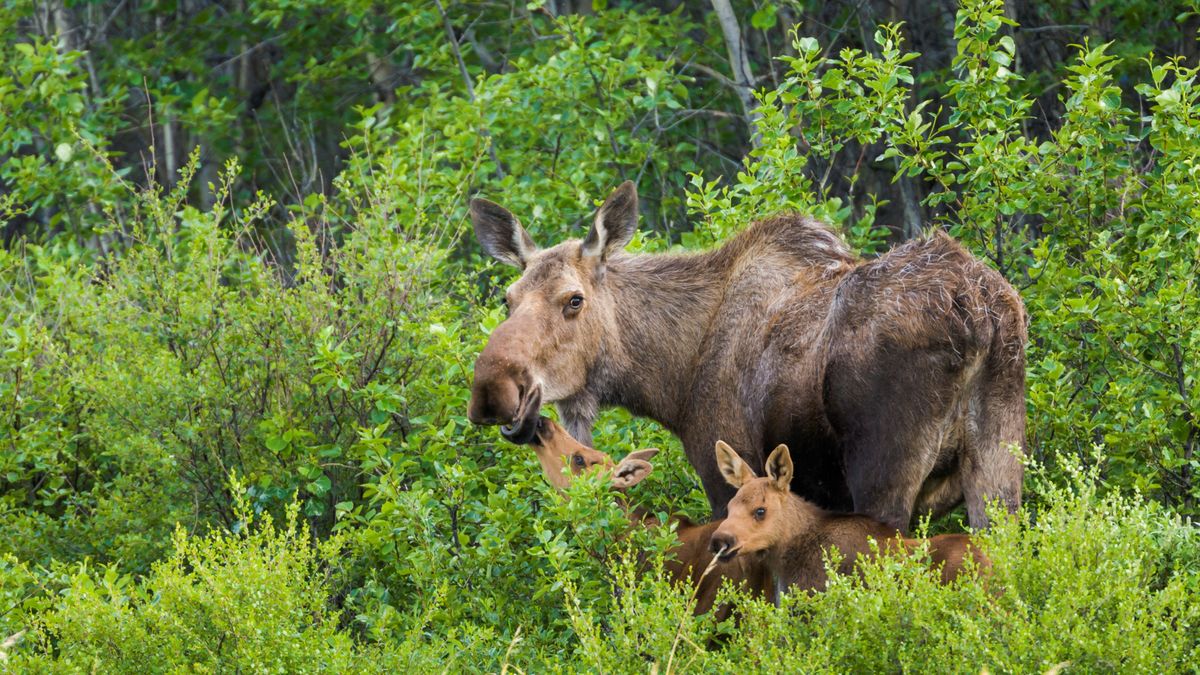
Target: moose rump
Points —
{"points": [[903, 380], [898, 383]]}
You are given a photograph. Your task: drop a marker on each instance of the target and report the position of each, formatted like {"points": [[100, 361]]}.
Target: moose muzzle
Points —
{"points": [[504, 393]]}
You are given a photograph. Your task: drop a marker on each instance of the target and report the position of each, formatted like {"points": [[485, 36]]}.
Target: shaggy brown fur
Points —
{"points": [[556, 449], [769, 522], [899, 383]]}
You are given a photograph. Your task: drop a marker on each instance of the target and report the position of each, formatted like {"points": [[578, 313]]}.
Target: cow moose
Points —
{"points": [[770, 523], [557, 450], [898, 382]]}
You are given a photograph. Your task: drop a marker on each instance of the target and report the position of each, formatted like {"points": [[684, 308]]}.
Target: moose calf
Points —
{"points": [[691, 557], [770, 523]]}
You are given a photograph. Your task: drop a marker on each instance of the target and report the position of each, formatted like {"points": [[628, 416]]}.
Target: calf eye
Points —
{"points": [[760, 513], [579, 461], [575, 302]]}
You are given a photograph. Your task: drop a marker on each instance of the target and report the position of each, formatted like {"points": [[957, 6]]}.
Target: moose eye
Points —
{"points": [[760, 513], [579, 461], [575, 302]]}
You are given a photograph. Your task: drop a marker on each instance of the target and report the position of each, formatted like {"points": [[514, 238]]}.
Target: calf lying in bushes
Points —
{"points": [[691, 557], [768, 522]]}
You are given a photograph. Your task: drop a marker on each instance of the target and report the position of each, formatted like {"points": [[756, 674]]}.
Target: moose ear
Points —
{"points": [[779, 467], [735, 470], [501, 234], [615, 223], [645, 455], [630, 472]]}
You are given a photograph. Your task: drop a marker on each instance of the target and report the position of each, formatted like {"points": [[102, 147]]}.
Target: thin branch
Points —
{"points": [[462, 68]]}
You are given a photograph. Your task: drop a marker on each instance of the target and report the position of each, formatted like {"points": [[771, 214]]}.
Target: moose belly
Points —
{"points": [[794, 416], [819, 476]]}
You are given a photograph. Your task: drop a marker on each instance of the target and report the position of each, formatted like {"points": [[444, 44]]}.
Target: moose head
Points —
{"points": [[758, 515], [558, 313], [557, 450]]}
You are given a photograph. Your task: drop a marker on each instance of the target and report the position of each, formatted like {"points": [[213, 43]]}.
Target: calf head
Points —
{"points": [[757, 519], [558, 314], [556, 450]]}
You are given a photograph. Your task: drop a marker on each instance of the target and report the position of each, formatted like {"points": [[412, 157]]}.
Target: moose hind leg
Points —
{"points": [[894, 424], [991, 462], [884, 480]]}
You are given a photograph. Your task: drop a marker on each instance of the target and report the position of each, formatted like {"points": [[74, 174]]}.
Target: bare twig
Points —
{"points": [[462, 67]]}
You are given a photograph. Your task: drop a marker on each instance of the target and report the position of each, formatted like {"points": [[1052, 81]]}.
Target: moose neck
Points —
{"points": [[663, 306]]}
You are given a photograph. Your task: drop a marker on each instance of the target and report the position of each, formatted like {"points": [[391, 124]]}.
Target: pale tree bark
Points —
{"points": [[65, 27], [71, 39], [739, 63], [383, 76], [913, 224], [168, 128]]}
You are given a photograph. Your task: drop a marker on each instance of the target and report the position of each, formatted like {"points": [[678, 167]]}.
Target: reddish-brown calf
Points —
{"points": [[557, 450], [789, 535]]}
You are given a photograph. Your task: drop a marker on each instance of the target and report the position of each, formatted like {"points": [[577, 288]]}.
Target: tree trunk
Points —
{"points": [[739, 62]]}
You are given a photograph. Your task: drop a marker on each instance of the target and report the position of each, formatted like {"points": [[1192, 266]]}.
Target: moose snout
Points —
{"points": [[503, 382], [494, 401]]}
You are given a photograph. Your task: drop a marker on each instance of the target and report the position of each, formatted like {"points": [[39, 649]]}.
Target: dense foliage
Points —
{"points": [[233, 382]]}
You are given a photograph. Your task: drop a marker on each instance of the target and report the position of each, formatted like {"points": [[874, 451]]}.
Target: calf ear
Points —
{"points": [[501, 234], [736, 471], [779, 467], [630, 472], [615, 223], [647, 454]]}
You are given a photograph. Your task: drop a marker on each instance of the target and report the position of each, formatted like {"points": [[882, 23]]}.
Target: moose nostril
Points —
{"points": [[720, 543]]}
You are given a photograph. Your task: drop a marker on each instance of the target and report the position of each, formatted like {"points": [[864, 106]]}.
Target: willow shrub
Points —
{"points": [[257, 600], [1096, 582]]}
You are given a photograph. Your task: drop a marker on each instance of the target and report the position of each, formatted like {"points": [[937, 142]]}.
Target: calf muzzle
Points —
{"points": [[723, 545]]}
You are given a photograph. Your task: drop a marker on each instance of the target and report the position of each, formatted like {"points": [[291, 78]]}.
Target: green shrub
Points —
{"points": [[255, 601], [1098, 582]]}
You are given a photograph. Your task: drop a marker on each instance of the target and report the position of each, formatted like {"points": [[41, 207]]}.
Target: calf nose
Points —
{"points": [[722, 541]]}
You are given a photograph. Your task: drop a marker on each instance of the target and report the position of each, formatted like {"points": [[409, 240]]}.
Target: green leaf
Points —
{"points": [[765, 17]]}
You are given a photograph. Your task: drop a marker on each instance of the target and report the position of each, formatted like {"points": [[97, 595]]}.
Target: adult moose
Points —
{"points": [[898, 383]]}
